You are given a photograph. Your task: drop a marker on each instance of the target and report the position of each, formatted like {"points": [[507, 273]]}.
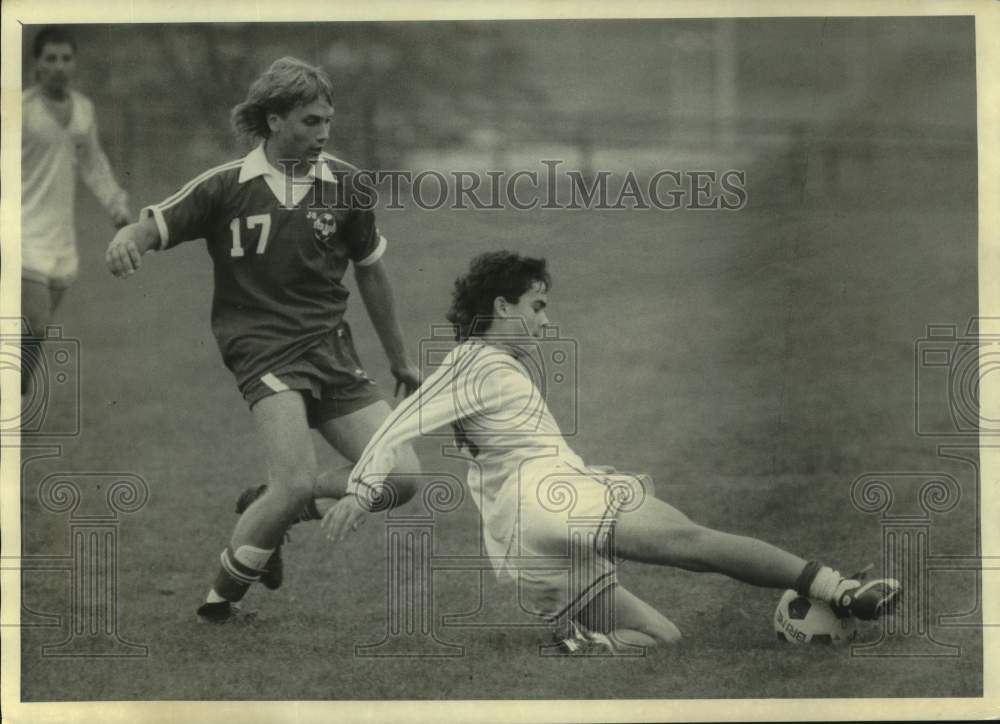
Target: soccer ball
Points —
{"points": [[802, 620]]}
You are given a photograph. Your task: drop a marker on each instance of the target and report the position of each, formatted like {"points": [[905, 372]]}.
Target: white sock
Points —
{"points": [[213, 597], [824, 585], [253, 557]]}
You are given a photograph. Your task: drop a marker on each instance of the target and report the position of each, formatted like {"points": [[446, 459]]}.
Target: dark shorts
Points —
{"points": [[330, 377]]}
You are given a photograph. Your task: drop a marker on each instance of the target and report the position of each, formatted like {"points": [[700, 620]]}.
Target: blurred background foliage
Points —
{"points": [[804, 105]]}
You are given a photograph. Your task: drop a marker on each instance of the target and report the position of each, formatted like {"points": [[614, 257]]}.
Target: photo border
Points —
{"points": [[16, 12]]}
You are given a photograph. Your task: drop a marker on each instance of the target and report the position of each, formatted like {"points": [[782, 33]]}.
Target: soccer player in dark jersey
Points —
{"points": [[281, 227]]}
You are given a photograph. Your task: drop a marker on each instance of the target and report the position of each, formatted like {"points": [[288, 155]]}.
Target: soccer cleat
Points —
{"points": [[274, 570], [224, 612], [866, 601], [576, 644], [584, 642]]}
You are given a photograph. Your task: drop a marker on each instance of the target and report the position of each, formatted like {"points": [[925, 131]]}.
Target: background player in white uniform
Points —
{"points": [[484, 389], [58, 141], [281, 228]]}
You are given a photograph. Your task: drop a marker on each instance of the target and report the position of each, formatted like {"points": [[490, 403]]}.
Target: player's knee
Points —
{"points": [[300, 491], [292, 492], [293, 476], [666, 633]]}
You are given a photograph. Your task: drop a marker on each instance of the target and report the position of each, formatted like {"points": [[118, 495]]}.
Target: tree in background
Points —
{"points": [[399, 85]]}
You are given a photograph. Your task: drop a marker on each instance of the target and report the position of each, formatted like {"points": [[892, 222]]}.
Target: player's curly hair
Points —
{"points": [[491, 275], [288, 83]]}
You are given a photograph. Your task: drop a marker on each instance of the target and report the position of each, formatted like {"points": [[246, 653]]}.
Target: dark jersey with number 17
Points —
{"points": [[280, 251]]}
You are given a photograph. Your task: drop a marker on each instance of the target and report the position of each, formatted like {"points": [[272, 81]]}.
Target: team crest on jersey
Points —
{"points": [[324, 225]]}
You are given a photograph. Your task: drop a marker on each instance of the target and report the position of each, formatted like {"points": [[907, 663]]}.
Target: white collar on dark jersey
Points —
{"points": [[256, 164]]}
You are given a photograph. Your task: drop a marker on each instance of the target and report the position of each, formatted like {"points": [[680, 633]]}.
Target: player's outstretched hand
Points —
{"points": [[344, 517], [123, 256], [407, 380]]}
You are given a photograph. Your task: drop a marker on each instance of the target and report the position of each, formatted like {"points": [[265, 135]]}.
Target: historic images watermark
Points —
{"points": [[50, 402], [550, 362], [950, 367], [93, 503], [48, 364], [547, 187]]}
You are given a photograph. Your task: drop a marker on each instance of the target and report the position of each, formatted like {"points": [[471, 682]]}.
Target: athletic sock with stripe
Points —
{"points": [[818, 581], [237, 572]]}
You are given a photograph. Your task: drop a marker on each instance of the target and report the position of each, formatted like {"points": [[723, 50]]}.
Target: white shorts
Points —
{"points": [[57, 269], [570, 516]]}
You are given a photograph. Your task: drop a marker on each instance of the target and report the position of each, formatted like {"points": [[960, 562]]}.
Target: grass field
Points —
{"points": [[755, 363]]}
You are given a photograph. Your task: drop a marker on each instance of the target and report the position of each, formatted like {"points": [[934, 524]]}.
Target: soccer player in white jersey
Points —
{"points": [[282, 225], [519, 459], [58, 141]]}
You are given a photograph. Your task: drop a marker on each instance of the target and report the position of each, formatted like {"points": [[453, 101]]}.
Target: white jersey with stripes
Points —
{"points": [[485, 393], [51, 157]]}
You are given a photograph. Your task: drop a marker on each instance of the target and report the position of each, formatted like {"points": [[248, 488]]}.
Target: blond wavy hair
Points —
{"points": [[287, 84]]}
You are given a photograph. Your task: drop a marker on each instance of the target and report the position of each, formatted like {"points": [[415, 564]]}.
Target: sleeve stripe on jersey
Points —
{"points": [[161, 223], [189, 186], [406, 407], [375, 255], [431, 387]]}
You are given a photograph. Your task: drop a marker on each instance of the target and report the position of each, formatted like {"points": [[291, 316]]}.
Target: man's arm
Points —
{"points": [[124, 254], [440, 401], [96, 173], [376, 292]]}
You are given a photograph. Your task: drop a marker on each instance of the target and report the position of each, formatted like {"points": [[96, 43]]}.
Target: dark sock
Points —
{"points": [[805, 579]]}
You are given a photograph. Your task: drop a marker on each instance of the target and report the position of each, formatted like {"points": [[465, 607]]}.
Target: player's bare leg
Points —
{"points": [[656, 532], [36, 308], [349, 435], [291, 465], [659, 533], [56, 295], [39, 301], [627, 620]]}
